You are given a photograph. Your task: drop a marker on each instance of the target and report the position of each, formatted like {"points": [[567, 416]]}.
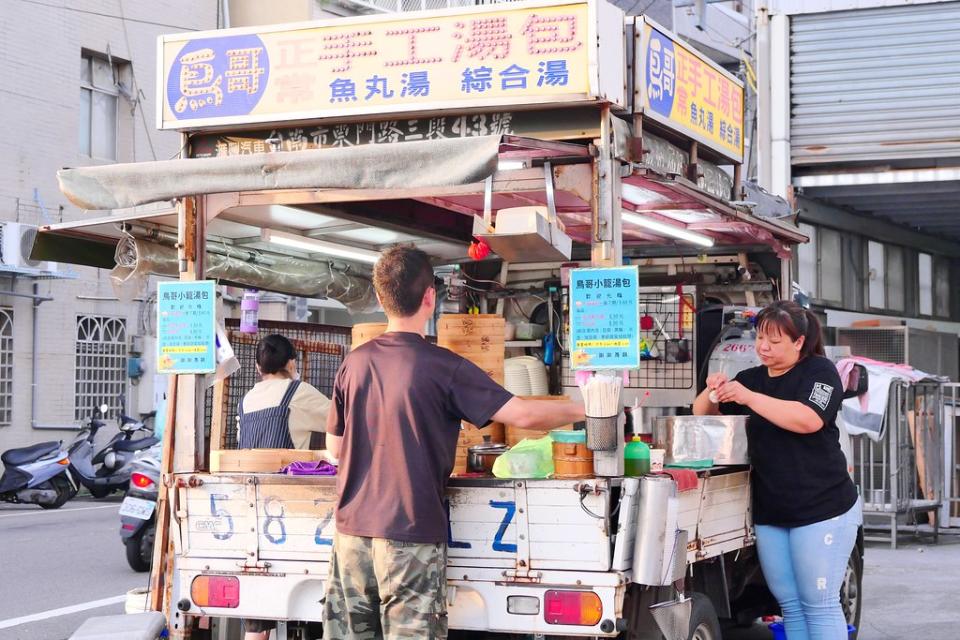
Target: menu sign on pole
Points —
{"points": [[186, 327], [604, 318]]}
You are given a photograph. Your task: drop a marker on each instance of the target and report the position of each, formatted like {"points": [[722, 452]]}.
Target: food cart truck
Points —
{"points": [[309, 147]]}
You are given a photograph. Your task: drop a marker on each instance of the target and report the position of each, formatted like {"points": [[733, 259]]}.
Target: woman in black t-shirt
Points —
{"points": [[805, 506]]}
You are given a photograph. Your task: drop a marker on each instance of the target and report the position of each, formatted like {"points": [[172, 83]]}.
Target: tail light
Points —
{"points": [[216, 591], [578, 608], [140, 480]]}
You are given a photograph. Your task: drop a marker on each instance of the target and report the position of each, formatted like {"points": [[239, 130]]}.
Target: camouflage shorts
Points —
{"points": [[385, 589]]}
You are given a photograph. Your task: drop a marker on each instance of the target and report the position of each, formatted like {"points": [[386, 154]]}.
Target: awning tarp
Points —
{"points": [[432, 163]]}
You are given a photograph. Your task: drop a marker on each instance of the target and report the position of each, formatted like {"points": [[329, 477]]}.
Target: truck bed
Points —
{"points": [[275, 533]]}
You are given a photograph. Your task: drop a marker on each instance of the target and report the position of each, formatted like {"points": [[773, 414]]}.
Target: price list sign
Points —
{"points": [[186, 327], [604, 318]]}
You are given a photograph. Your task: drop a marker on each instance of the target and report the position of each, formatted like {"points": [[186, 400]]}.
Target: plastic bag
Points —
{"points": [[529, 458]]}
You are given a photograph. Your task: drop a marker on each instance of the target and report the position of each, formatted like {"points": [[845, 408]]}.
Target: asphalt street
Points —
{"points": [[58, 568]]}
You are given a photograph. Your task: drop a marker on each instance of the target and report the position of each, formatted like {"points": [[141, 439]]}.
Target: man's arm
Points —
{"points": [[333, 445], [539, 414]]}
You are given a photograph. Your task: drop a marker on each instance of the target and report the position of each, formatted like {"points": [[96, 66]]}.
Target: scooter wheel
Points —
{"points": [[140, 548], [64, 490]]}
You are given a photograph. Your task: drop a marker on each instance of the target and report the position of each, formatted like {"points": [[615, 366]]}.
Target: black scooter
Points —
{"points": [[108, 470]]}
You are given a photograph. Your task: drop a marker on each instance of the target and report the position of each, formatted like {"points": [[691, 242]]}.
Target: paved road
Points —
{"points": [[52, 560], [58, 568]]}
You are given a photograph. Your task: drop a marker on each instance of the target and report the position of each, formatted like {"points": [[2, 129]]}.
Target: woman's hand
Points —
{"points": [[717, 380], [735, 392]]}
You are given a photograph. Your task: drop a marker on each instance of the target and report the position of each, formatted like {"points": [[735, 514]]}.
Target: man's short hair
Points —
{"points": [[401, 276]]}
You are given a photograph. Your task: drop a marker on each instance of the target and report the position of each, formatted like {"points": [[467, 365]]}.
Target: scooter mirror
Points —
{"points": [[103, 409]]}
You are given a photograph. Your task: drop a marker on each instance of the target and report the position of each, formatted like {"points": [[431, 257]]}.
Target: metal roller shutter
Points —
{"points": [[875, 84]]}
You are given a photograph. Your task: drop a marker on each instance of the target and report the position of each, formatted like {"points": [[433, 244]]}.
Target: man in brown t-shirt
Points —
{"points": [[394, 420]]}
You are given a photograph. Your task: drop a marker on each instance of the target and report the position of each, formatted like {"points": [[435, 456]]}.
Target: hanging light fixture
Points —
{"points": [[312, 245], [666, 229]]}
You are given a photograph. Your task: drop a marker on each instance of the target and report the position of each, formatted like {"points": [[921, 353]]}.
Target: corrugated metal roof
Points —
{"points": [[929, 207], [876, 85]]}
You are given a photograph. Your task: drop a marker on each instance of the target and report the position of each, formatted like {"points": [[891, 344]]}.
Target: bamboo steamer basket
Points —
{"points": [[477, 338], [572, 460], [515, 434], [454, 325], [471, 435], [365, 332], [259, 460], [460, 462]]}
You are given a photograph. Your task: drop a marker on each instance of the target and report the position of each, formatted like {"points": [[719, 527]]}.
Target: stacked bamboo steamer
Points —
{"points": [[365, 332], [479, 339]]}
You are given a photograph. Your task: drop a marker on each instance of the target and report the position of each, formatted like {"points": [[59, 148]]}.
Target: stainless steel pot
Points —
{"points": [[687, 438], [480, 457]]}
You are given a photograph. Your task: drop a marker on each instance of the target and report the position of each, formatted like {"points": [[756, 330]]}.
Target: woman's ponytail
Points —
{"points": [[813, 336]]}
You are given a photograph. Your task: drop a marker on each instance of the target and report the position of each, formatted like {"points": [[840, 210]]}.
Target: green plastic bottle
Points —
{"points": [[636, 458]]}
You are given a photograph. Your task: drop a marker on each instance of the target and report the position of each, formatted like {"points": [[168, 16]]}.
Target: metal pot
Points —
{"points": [[722, 439], [480, 457]]}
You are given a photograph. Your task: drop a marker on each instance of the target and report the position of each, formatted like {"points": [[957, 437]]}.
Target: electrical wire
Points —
{"points": [[137, 102], [469, 277]]}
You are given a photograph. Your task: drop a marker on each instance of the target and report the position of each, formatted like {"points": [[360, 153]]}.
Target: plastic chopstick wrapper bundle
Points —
{"points": [[601, 398]]}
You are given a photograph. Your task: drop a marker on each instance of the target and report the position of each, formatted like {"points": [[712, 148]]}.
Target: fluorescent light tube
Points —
{"points": [[666, 229], [510, 165], [312, 245]]}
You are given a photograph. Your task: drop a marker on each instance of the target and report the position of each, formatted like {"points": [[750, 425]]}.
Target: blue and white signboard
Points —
{"points": [[604, 318], [186, 327]]}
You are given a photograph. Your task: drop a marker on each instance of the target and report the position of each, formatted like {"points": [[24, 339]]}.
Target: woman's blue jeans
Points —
{"points": [[804, 568]]}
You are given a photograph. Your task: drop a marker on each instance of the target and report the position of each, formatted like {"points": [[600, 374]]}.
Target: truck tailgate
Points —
{"points": [[507, 524]]}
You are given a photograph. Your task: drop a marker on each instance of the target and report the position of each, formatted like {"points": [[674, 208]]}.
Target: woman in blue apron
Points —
{"points": [[279, 412]]}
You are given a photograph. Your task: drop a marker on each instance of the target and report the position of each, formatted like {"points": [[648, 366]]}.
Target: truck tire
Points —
{"points": [[704, 624], [850, 598]]}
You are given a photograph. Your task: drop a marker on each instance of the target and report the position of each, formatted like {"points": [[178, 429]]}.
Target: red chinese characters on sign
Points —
{"points": [[345, 47], [244, 70], [551, 34], [373, 63], [486, 38], [413, 34]]}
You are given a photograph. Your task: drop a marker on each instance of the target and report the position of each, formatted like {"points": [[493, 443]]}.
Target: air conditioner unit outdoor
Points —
{"points": [[15, 246]]}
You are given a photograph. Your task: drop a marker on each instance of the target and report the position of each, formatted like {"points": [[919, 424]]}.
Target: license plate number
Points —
{"points": [[137, 508]]}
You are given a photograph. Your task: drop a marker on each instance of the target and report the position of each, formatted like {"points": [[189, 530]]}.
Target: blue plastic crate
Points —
{"points": [[780, 634]]}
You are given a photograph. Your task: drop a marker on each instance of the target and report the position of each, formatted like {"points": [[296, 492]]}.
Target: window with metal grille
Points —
{"points": [[6, 367], [101, 364]]}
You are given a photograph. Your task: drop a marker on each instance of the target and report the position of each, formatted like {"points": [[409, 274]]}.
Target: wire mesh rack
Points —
{"points": [[667, 340], [320, 351]]}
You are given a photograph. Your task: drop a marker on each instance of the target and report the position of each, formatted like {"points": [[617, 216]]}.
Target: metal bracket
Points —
{"points": [[522, 523], [526, 577], [551, 196], [488, 201]]}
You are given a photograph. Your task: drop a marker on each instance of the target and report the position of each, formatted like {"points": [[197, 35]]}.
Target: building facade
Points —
{"points": [[859, 108], [77, 87]]}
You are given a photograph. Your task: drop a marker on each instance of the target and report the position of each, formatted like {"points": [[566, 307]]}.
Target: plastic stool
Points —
{"points": [[137, 626]]}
